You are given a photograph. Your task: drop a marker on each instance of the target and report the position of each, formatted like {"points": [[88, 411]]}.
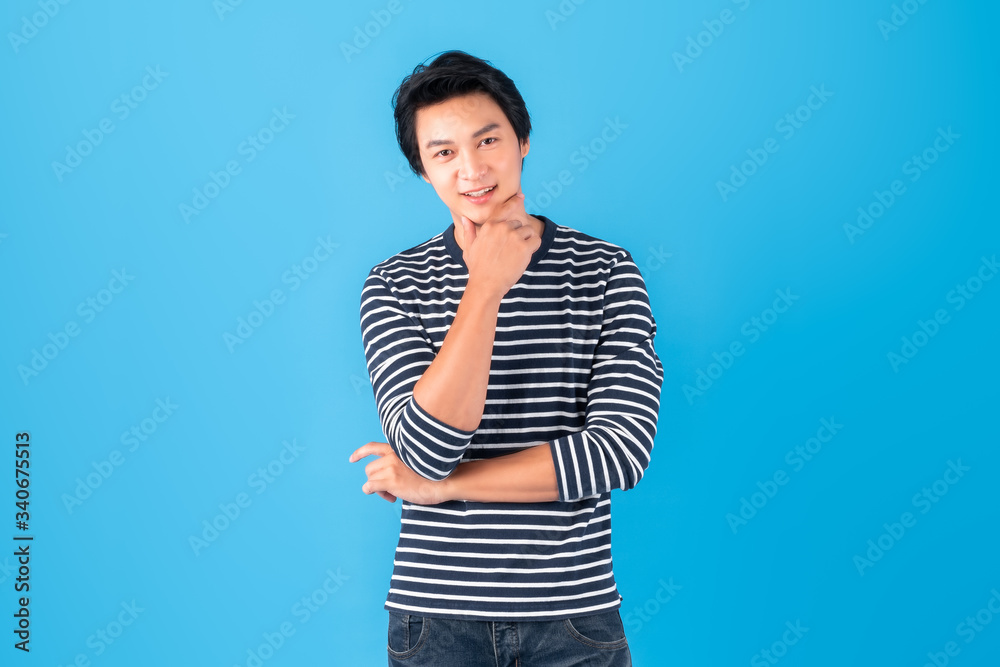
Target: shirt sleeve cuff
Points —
{"points": [[437, 428]]}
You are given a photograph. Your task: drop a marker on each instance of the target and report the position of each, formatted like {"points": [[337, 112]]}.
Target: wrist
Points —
{"points": [[446, 488], [484, 293]]}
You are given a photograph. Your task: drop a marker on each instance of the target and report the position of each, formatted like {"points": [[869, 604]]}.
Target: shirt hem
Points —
{"points": [[541, 615]]}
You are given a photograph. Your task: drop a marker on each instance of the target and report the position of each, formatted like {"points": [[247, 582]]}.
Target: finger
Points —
{"points": [[372, 468], [469, 230], [376, 448], [371, 487], [526, 230], [515, 201], [513, 213]]}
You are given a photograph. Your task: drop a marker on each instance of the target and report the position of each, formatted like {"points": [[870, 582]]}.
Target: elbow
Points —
{"points": [[424, 463], [423, 457], [429, 448]]}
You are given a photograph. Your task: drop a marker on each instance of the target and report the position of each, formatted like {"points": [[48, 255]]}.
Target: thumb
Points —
{"points": [[469, 229]]}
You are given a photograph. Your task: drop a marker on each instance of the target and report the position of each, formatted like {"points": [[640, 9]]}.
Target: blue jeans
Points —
{"points": [[597, 640]]}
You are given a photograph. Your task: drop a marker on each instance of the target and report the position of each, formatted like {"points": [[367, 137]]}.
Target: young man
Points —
{"points": [[516, 381]]}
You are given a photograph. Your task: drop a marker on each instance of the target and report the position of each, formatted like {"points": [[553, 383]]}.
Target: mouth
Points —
{"points": [[479, 193], [480, 196]]}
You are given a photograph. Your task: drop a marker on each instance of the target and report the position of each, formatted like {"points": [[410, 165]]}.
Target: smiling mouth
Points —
{"points": [[479, 193]]}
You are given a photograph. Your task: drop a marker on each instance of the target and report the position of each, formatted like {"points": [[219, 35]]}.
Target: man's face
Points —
{"points": [[466, 145]]}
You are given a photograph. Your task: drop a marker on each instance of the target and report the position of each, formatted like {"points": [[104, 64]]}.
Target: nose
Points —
{"points": [[471, 167]]}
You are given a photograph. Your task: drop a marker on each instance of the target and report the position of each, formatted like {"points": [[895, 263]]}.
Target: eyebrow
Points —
{"points": [[477, 133]]}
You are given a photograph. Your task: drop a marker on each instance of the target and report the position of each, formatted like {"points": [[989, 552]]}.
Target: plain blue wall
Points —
{"points": [[692, 88]]}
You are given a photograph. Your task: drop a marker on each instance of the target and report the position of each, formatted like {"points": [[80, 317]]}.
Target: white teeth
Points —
{"points": [[478, 193]]}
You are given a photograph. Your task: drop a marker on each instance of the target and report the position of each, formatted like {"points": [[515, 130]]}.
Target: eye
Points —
{"points": [[442, 151], [489, 139]]}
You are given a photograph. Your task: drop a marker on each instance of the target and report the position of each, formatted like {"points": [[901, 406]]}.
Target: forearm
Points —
{"points": [[526, 476], [453, 387]]}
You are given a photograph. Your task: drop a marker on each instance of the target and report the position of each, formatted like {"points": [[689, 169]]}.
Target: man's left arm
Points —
{"points": [[623, 400], [623, 396]]}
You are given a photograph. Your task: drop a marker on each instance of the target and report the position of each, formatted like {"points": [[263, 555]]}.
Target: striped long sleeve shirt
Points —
{"points": [[573, 365]]}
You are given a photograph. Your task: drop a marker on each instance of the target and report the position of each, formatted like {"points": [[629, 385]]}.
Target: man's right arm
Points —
{"points": [[430, 403], [398, 353], [453, 388]]}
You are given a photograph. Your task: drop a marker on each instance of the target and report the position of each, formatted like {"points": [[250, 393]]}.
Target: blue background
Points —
{"points": [[698, 588]]}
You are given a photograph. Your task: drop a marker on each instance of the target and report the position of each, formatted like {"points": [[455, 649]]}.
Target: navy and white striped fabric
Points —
{"points": [[574, 366]]}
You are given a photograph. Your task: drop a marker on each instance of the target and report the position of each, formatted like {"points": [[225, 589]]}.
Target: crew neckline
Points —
{"points": [[548, 235]]}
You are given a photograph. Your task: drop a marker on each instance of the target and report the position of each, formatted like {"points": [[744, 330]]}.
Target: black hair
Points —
{"points": [[451, 74]]}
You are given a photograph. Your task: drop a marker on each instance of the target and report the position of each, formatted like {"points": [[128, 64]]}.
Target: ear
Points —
{"points": [[424, 176], [525, 146]]}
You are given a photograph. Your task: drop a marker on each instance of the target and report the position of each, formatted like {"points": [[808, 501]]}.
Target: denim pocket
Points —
{"points": [[407, 634], [602, 631]]}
